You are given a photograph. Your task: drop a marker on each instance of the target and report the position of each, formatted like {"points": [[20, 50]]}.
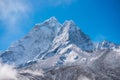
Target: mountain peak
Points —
{"points": [[52, 19], [69, 22], [105, 44], [69, 25], [49, 24]]}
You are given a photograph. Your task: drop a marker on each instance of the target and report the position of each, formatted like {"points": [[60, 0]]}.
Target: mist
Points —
{"points": [[7, 72]]}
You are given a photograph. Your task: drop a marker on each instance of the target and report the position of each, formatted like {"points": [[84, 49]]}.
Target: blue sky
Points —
{"points": [[100, 19]]}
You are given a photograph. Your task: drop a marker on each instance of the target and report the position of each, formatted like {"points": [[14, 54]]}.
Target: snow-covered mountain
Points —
{"points": [[46, 40], [54, 46]]}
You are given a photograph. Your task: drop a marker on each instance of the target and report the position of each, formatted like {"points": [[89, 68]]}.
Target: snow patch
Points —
{"points": [[81, 77]]}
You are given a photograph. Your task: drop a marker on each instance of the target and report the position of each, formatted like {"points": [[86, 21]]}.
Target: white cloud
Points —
{"points": [[7, 72], [11, 7], [12, 10], [12, 13]]}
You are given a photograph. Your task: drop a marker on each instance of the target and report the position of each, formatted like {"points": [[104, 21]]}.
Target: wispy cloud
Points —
{"points": [[12, 12], [7, 72]]}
